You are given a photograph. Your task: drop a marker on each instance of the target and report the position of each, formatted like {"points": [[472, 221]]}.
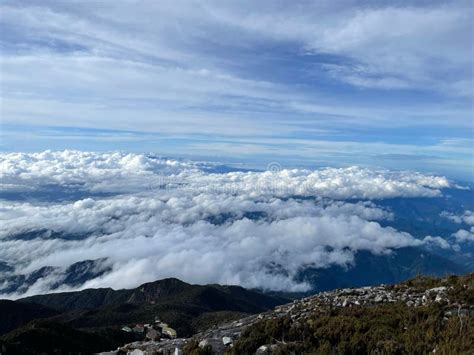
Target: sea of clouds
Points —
{"points": [[153, 217]]}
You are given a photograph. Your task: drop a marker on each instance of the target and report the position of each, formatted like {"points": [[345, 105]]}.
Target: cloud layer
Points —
{"points": [[122, 172], [170, 218]]}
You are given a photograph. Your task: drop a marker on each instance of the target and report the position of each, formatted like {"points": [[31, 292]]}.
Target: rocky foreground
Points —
{"points": [[451, 299]]}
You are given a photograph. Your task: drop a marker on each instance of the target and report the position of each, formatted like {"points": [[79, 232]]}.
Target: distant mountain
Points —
{"points": [[95, 316], [369, 269], [74, 275], [215, 297], [180, 304]]}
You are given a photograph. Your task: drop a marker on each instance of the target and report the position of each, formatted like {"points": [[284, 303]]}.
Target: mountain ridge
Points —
{"points": [[97, 315]]}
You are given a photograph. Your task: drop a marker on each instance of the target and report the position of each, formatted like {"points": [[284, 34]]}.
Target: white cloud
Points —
{"points": [[120, 172], [436, 242], [463, 236], [466, 217], [384, 46], [148, 239], [234, 228], [93, 71]]}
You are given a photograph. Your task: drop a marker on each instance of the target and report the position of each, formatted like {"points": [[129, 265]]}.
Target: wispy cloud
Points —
{"points": [[240, 72]]}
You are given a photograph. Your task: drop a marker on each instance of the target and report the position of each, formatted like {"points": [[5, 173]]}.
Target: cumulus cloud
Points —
{"points": [[436, 242], [467, 217], [170, 218], [464, 236], [147, 239], [120, 172]]}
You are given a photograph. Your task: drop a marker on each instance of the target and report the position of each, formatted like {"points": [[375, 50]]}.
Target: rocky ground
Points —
{"points": [[223, 336]]}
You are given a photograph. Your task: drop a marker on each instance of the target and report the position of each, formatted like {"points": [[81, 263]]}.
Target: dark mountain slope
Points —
{"points": [[90, 320], [213, 297], [45, 337], [86, 299], [15, 314], [185, 307]]}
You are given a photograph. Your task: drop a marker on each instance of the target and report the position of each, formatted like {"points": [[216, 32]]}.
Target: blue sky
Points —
{"points": [[302, 83]]}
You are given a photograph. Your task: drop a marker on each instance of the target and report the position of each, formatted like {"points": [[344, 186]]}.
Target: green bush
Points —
{"points": [[384, 329]]}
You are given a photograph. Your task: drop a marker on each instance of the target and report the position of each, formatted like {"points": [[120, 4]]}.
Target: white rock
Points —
{"points": [[262, 350], [203, 343], [437, 289], [226, 341], [438, 298]]}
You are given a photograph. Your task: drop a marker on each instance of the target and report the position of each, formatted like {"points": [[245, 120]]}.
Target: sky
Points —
{"points": [[301, 83]]}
